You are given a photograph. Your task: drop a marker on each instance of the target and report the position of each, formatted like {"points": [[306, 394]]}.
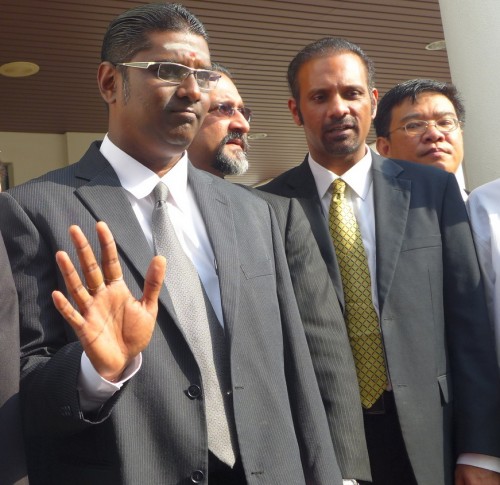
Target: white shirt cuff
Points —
{"points": [[94, 390], [481, 461]]}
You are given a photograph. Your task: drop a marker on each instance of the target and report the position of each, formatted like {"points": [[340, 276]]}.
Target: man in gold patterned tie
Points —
{"points": [[396, 239]]}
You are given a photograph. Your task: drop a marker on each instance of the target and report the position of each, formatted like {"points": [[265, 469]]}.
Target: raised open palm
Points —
{"points": [[112, 326]]}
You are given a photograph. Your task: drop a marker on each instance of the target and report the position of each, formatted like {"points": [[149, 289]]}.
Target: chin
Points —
{"points": [[441, 164], [182, 136]]}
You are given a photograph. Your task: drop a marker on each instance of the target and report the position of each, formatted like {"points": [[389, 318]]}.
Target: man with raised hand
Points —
{"points": [[201, 376]]}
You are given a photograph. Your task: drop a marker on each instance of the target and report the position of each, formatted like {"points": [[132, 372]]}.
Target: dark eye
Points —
{"points": [[416, 125], [446, 123], [172, 72], [226, 109], [318, 97]]}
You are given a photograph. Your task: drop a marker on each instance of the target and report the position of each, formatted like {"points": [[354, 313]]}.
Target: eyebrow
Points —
{"points": [[177, 61], [418, 116]]}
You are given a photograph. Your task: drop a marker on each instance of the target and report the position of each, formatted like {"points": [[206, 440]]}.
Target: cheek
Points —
{"points": [[458, 143], [312, 115], [214, 137], [403, 148]]}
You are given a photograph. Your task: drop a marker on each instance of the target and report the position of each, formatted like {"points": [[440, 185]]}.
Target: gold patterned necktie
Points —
{"points": [[360, 316]]}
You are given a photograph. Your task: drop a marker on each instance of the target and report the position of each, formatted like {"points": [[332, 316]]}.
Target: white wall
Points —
{"points": [[33, 154], [472, 39]]}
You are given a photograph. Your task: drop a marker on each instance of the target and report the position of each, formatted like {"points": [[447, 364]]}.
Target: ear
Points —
{"points": [[292, 106], [374, 98], [383, 146], [107, 80]]}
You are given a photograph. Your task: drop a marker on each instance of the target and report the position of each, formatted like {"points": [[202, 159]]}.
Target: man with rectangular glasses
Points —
{"points": [[199, 373], [421, 120]]}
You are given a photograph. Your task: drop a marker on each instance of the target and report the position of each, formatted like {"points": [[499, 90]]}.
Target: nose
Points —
{"points": [[337, 107], [189, 88], [432, 133], [239, 123]]}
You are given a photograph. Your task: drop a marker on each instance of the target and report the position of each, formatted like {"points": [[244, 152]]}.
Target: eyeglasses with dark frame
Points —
{"points": [[419, 127], [173, 73], [229, 110]]}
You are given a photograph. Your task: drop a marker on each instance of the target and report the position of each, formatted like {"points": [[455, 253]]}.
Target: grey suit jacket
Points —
{"points": [[12, 462], [433, 317], [326, 335], [151, 431]]}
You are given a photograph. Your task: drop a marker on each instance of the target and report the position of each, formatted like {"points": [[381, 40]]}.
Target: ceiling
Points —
{"points": [[256, 40]]}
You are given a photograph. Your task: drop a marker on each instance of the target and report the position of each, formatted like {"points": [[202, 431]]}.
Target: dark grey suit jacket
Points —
{"points": [[326, 335], [12, 462], [433, 316], [151, 432]]}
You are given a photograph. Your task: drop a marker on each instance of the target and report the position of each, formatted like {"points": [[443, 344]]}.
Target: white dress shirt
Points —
{"points": [[139, 182], [359, 193], [484, 211]]}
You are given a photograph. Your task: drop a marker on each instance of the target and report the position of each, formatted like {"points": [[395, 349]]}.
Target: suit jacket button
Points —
{"points": [[194, 391], [197, 476]]}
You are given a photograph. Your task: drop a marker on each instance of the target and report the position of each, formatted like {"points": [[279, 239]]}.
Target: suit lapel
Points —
{"points": [[105, 198], [217, 214], [303, 188], [392, 201]]}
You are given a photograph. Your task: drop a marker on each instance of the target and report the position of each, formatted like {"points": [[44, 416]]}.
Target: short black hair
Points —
{"points": [[322, 48], [217, 67], [128, 33], [410, 90]]}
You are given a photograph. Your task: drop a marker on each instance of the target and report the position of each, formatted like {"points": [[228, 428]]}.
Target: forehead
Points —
{"points": [[182, 47], [427, 104], [226, 91], [343, 68]]}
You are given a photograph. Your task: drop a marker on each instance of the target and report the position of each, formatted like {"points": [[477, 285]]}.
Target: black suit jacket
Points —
{"points": [[437, 337], [12, 462], [151, 431]]}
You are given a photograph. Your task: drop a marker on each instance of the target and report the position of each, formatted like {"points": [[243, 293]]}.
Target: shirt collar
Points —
{"points": [[140, 180], [358, 177]]}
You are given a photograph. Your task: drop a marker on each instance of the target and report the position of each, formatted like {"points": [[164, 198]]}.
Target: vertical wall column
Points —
{"points": [[472, 34]]}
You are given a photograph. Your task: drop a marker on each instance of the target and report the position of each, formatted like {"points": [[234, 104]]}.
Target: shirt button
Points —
{"points": [[194, 391], [197, 476]]}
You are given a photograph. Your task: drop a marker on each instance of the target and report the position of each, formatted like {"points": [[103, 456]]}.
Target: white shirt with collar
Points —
{"points": [[484, 212], [139, 182], [359, 180]]}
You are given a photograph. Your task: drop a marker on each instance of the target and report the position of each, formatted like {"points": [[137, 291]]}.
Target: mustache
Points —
{"points": [[236, 135], [341, 122]]}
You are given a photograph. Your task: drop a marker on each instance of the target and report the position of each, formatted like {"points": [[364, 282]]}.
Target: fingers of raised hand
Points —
{"points": [[72, 316], [96, 279], [154, 282], [109, 255], [91, 270], [72, 280]]}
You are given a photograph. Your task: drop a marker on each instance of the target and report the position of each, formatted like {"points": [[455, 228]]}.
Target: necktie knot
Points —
{"points": [[160, 193], [338, 190]]}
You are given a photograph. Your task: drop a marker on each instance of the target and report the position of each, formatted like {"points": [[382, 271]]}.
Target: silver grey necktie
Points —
{"points": [[202, 330]]}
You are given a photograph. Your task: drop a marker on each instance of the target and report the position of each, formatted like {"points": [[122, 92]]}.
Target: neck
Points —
{"points": [[342, 163]]}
